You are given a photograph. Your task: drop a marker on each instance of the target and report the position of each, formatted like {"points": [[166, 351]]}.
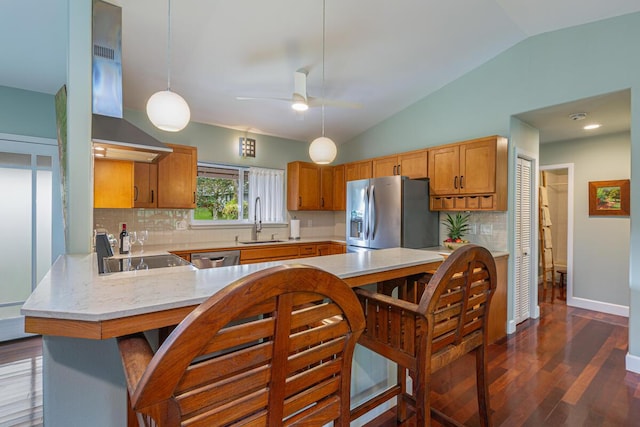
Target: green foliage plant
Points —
{"points": [[457, 226]]}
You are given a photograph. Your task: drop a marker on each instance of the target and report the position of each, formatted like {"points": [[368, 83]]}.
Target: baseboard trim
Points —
{"points": [[632, 363], [602, 307], [511, 327], [12, 328]]}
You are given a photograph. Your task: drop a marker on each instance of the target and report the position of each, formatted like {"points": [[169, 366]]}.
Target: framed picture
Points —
{"points": [[608, 198]]}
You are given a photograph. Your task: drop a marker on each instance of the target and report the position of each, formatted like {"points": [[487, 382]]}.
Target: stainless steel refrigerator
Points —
{"points": [[389, 212]]}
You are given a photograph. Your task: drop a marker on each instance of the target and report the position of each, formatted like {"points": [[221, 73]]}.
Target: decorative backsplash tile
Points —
{"points": [[173, 226]]}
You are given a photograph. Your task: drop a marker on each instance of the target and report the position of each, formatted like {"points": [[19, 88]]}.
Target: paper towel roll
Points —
{"points": [[294, 229]]}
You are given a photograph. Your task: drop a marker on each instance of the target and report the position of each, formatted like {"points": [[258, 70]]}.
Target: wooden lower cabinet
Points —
{"points": [[498, 311], [272, 253]]}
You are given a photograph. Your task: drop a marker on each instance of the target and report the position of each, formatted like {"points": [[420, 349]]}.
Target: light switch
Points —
{"points": [[486, 229]]}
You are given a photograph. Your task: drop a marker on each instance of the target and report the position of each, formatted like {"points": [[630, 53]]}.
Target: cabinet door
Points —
{"points": [[112, 184], [385, 166], [443, 170], [303, 186], [145, 185], [358, 170], [339, 188], [413, 164], [326, 188], [478, 167], [177, 173], [337, 248]]}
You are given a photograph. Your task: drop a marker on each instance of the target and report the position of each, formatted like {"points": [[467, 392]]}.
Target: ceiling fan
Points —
{"points": [[300, 101]]}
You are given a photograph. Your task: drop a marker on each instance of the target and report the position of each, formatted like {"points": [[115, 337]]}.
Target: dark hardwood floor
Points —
{"points": [[21, 383], [564, 369]]}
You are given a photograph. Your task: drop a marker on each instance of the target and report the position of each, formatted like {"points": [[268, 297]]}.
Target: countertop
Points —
{"points": [[446, 251], [202, 246], [73, 290]]}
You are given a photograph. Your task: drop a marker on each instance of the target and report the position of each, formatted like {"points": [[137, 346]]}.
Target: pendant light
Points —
{"points": [[166, 109], [323, 150]]}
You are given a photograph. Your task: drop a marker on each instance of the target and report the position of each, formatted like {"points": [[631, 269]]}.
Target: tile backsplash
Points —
{"points": [[488, 229], [174, 226]]}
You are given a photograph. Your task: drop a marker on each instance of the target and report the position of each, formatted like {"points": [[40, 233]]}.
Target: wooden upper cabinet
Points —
{"points": [[412, 164], [478, 167], [444, 169], [303, 186], [145, 185], [384, 166], [326, 187], [358, 170], [177, 174], [112, 183], [471, 175], [339, 188]]}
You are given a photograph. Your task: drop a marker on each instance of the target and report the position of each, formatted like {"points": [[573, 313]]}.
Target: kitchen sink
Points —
{"points": [[257, 242], [113, 265]]}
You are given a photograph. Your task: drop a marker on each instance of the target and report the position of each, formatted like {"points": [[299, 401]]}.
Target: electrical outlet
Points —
{"points": [[473, 228], [309, 223], [486, 229]]}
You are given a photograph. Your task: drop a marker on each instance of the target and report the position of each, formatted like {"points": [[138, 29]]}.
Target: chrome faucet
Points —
{"points": [[257, 225]]}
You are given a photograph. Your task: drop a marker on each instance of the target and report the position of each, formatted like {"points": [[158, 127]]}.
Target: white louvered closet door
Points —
{"points": [[523, 247]]}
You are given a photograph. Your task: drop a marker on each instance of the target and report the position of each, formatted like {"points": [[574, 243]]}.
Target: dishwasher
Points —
{"points": [[215, 259]]}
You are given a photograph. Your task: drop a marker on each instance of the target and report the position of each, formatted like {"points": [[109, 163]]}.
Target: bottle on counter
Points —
{"points": [[125, 244]]}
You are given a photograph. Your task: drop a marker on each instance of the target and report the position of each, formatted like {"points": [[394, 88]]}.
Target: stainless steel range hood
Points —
{"points": [[113, 137]]}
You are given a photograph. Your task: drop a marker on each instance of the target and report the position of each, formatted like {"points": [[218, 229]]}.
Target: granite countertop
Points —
{"points": [[73, 290]]}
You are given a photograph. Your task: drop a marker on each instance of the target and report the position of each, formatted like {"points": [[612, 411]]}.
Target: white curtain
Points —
{"points": [[268, 184]]}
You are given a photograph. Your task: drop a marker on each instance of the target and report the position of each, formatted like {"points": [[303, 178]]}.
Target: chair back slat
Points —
{"points": [[270, 349]]}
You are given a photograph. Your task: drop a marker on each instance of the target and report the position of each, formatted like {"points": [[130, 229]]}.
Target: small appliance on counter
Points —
{"points": [[388, 212]]}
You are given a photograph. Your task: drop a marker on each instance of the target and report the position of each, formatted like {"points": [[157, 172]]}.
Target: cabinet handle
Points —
{"points": [[151, 196], [455, 182], [300, 201], [399, 170], [394, 169], [461, 181], [135, 193], [322, 202], [194, 197]]}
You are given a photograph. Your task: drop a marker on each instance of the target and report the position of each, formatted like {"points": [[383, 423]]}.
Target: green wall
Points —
{"points": [[600, 244], [549, 69], [220, 145], [23, 112]]}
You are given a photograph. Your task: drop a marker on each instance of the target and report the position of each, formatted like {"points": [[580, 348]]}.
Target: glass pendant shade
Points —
{"points": [[322, 150], [168, 111]]}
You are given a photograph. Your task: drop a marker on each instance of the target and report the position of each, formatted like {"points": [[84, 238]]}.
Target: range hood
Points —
{"points": [[113, 137]]}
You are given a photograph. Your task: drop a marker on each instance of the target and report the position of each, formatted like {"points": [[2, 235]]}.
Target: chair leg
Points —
{"points": [[401, 406], [482, 387]]}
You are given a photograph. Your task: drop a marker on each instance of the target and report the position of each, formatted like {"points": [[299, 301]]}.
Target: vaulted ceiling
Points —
{"points": [[385, 55]]}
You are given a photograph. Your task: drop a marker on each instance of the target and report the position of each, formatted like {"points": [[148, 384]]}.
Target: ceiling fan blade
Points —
{"points": [[257, 98], [317, 102]]}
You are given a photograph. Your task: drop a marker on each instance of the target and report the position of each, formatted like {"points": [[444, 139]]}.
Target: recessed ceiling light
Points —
{"points": [[592, 126]]}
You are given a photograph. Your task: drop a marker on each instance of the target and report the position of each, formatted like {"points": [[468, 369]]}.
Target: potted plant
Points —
{"points": [[457, 226]]}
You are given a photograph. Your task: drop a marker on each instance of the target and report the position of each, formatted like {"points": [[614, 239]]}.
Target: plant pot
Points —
{"points": [[454, 245]]}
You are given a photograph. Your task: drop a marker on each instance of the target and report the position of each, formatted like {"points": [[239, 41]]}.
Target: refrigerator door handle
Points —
{"points": [[366, 216], [372, 212]]}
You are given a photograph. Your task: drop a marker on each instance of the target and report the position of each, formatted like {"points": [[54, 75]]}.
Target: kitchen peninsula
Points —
{"points": [[79, 313]]}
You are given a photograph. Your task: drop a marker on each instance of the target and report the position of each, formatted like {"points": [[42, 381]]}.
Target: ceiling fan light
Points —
{"points": [[299, 103], [322, 150], [300, 106], [168, 111]]}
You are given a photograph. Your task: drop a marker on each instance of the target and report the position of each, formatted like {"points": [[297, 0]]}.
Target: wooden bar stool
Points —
{"points": [[272, 349], [428, 326]]}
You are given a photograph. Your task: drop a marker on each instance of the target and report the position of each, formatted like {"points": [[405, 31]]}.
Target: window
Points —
{"points": [[223, 194]]}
